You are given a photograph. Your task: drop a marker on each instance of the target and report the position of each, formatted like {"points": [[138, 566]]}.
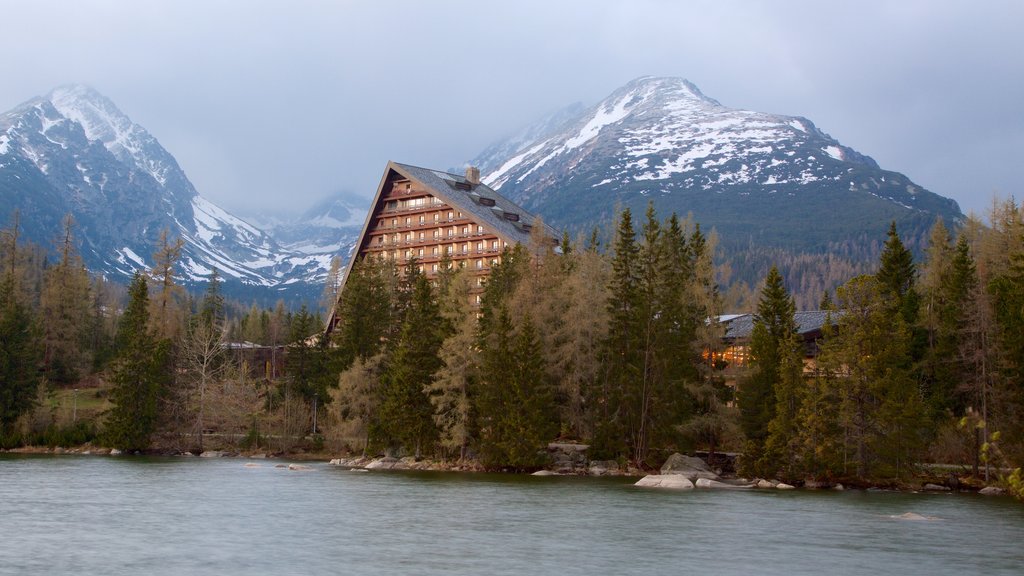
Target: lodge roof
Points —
{"points": [[740, 327], [477, 200]]}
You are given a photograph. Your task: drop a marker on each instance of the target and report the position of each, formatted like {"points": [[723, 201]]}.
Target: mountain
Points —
{"points": [[73, 152], [330, 226], [773, 184]]}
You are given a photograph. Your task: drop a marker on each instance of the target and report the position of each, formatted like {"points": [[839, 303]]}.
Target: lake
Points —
{"points": [[135, 515]]}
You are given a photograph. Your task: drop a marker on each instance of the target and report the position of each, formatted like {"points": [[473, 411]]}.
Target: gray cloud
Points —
{"points": [[269, 105]]}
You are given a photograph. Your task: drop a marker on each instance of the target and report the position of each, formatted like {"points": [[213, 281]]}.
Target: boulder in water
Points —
{"points": [[913, 517], [689, 467], [992, 491]]}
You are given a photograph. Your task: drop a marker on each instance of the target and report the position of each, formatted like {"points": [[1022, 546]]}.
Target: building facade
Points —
{"points": [[422, 216]]}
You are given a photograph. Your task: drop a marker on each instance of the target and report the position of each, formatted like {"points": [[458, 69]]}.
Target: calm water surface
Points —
{"points": [[120, 515]]}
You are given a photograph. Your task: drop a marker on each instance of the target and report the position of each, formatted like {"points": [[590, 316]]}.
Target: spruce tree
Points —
{"points": [[363, 312], [20, 359], [880, 408], [406, 414], [897, 278], [140, 373], [611, 409], [772, 342]]}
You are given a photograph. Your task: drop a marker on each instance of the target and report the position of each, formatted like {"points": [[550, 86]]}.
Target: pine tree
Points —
{"points": [[897, 278], [943, 294], [451, 390], [363, 312], [406, 414], [20, 358], [516, 408], [166, 311], [880, 408], [611, 409], [139, 375], [203, 357], [771, 342], [65, 303]]}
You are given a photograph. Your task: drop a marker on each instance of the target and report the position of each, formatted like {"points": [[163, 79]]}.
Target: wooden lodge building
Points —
{"points": [[421, 214], [739, 328]]}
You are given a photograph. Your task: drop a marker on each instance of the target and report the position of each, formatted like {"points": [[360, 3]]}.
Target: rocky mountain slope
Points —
{"points": [[73, 152], [765, 182]]}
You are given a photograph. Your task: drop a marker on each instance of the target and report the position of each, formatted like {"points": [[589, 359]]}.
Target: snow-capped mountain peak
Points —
{"points": [[663, 140], [73, 151]]}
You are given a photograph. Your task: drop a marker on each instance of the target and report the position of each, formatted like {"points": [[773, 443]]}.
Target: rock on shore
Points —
{"points": [[674, 481]]}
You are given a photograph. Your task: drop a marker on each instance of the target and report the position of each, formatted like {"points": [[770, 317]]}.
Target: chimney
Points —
{"points": [[473, 175]]}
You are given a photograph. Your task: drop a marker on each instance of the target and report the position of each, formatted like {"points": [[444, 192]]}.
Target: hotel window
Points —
{"points": [[394, 221], [479, 229], [479, 246], [447, 249], [465, 230], [480, 264], [408, 236], [451, 232], [437, 216], [421, 253], [421, 235], [450, 215], [422, 219], [394, 238], [433, 267], [408, 221], [494, 244], [437, 233], [433, 251]]}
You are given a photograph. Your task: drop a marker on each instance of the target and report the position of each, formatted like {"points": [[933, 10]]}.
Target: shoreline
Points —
{"points": [[411, 464]]}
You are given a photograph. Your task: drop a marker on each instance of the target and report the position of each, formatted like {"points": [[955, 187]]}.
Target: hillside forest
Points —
{"points": [[617, 346]]}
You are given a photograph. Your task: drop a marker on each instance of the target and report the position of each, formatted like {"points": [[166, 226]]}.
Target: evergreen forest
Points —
{"points": [[616, 345]]}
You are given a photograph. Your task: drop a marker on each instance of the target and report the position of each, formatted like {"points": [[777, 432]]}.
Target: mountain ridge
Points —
{"points": [[74, 152], [766, 182]]}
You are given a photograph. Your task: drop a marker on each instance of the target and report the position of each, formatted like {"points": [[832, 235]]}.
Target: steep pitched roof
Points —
{"points": [[742, 326], [478, 201], [473, 199]]}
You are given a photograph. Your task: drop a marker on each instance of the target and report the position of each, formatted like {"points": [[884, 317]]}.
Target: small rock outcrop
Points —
{"points": [[674, 481], [929, 487], [708, 483], [992, 491], [689, 467]]}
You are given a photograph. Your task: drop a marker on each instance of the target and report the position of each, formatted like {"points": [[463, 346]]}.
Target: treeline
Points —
{"points": [[572, 341], [613, 345], [617, 346], [153, 364], [920, 362]]}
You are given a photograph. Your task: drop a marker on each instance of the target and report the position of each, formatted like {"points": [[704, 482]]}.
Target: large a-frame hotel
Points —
{"points": [[424, 214]]}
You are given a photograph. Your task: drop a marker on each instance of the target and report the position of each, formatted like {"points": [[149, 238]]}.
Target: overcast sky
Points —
{"points": [[270, 106]]}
